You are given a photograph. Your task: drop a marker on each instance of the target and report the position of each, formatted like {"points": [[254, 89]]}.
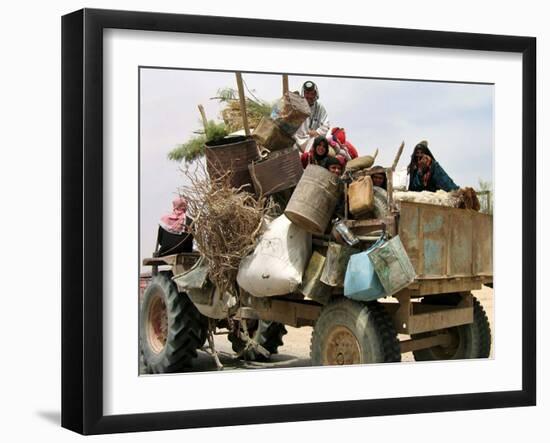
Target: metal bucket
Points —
{"points": [[314, 199], [281, 170], [232, 154]]}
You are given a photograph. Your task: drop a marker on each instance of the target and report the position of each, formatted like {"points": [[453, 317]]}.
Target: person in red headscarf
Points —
{"points": [[343, 148], [172, 235]]}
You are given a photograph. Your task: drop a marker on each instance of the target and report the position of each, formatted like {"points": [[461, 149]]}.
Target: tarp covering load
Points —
{"points": [[278, 262]]}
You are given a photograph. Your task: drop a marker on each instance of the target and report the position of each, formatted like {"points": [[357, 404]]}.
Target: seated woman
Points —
{"points": [[318, 153], [173, 237], [425, 173]]}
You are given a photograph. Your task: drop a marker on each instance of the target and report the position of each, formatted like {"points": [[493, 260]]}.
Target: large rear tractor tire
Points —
{"points": [[268, 334], [467, 341], [350, 332], [171, 328]]}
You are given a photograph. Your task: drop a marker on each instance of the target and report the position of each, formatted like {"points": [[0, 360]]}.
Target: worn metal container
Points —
{"points": [[361, 196], [392, 265], [313, 202], [232, 154], [361, 281], [279, 171], [270, 136], [336, 264], [312, 287]]}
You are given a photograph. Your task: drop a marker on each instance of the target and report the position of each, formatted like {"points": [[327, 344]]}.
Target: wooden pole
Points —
{"points": [[389, 186], [242, 101], [398, 156], [203, 117], [285, 84]]}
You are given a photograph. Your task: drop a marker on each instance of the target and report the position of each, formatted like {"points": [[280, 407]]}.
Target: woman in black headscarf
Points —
{"points": [[425, 173]]}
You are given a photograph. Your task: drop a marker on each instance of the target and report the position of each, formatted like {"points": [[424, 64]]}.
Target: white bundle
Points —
{"points": [[400, 179], [277, 264], [439, 198]]}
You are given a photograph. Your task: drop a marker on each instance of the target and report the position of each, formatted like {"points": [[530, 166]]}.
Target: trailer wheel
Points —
{"points": [[468, 341], [268, 334], [349, 332], [171, 328]]}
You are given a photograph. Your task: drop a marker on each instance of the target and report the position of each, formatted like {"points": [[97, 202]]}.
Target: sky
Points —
{"points": [[455, 118]]}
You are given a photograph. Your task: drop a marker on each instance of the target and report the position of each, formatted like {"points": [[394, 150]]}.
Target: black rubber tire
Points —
{"points": [[268, 334], [185, 328], [380, 196], [369, 323], [473, 340], [143, 369]]}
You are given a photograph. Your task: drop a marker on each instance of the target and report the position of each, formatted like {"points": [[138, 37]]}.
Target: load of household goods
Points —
{"points": [[265, 226]]}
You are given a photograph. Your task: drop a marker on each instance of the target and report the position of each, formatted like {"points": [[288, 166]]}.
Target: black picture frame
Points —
{"points": [[82, 218]]}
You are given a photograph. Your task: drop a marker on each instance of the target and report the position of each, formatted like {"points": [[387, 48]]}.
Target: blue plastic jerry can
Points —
{"points": [[361, 281]]}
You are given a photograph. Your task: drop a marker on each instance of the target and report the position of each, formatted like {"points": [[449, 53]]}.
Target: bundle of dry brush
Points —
{"points": [[226, 223]]}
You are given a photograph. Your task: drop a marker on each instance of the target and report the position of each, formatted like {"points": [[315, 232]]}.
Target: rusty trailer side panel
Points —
{"points": [[447, 243]]}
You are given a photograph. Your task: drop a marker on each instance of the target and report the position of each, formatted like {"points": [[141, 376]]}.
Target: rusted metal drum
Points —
{"points": [[314, 199], [232, 154], [279, 171]]}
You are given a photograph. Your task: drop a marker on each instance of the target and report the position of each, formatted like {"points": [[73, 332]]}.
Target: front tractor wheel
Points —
{"points": [[349, 332], [171, 328]]}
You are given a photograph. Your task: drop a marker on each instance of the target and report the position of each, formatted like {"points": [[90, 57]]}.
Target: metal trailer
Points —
{"points": [[451, 252]]}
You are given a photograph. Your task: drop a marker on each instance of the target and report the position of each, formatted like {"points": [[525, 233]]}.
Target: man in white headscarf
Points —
{"points": [[316, 124]]}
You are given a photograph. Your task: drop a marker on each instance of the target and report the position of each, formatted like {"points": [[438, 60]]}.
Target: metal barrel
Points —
{"points": [[314, 199]]}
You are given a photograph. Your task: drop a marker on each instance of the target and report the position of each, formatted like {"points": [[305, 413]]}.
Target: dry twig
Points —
{"points": [[226, 222]]}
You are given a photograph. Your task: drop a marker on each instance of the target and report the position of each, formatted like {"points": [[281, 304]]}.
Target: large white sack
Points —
{"points": [[277, 264]]}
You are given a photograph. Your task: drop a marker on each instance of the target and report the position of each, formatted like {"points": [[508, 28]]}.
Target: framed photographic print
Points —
{"points": [[271, 221]]}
